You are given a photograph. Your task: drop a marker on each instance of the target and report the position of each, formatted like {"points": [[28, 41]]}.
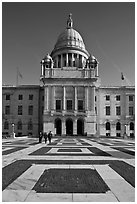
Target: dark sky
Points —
{"points": [[30, 31]]}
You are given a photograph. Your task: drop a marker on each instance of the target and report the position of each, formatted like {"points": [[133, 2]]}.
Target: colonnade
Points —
{"points": [[50, 98], [69, 60]]}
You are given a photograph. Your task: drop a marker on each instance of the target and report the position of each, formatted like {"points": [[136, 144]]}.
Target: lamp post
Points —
{"points": [[13, 133]]}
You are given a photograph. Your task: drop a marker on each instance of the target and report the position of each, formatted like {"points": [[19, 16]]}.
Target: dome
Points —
{"points": [[70, 38]]}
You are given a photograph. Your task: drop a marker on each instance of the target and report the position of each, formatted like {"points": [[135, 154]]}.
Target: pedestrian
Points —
{"points": [[40, 137], [49, 136], [45, 137]]}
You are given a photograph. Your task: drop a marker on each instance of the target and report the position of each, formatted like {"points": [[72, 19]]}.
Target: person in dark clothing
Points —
{"points": [[40, 137], [49, 136], [45, 137]]}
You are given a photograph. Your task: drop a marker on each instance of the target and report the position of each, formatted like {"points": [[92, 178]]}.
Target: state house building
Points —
{"points": [[71, 100]]}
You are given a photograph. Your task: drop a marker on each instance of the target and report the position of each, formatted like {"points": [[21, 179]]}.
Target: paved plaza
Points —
{"points": [[70, 169]]}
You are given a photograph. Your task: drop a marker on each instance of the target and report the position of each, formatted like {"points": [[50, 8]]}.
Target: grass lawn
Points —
{"points": [[70, 181]]}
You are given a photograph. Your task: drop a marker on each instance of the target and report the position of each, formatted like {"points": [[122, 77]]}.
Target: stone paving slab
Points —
{"points": [[21, 189], [120, 188]]}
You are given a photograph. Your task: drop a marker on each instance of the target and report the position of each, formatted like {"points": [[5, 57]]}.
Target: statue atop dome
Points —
{"points": [[69, 22]]}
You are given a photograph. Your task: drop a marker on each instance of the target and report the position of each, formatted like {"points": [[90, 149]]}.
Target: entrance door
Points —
{"points": [[69, 127], [58, 126], [80, 127]]}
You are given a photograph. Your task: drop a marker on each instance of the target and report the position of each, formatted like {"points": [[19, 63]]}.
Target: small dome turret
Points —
{"points": [[92, 61], [47, 61]]}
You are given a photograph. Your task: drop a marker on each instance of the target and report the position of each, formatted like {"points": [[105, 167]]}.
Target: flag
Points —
{"points": [[20, 75], [122, 76]]}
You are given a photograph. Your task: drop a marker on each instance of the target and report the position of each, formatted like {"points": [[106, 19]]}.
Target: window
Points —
{"points": [[80, 105], [118, 126], [7, 97], [7, 110], [107, 126], [30, 125], [107, 110], [107, 97], [95, 98], [31, 97], [96, 110], [131, 110], [20, 110], [42, 98], [130, 97], [117, 97], [118, 110], [131, 126], [42, 110], [19, 125], [30, 110], [6, 125], [69, 104], [20, 97], [58, 105]]}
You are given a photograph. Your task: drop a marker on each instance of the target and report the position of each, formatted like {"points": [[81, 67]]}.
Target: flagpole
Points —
{"points": [[17, 78]]}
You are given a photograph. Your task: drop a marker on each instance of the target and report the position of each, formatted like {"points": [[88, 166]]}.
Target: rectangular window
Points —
{"points": [[30, 97], [20, 97], [117, 97], [96, 110], [95, 98], [130, 97], [7, 97], [131, 110], [42, 110], [58, 105], [20, 110], [107, 97], [42, 98], [107, 110], [69, 104], [30, 110], [7, 110], [118, 110], [80, 105]]}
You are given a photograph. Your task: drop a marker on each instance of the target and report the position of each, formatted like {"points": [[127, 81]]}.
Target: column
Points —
{"points": [[61, 60], [86, 98], [93, 99], [63, 127], [76, 100], [57, 61], [46, 98], [67, 60], [75, 127], [73, 60], [64, 98], [53, 98], [77, 60], [42, 70]]}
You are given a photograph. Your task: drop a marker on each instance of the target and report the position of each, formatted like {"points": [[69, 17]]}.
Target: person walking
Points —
{"points": [[49, 136], [45, 137], [40, 137]]}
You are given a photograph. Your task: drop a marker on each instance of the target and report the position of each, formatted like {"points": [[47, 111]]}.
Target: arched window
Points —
{"points": [[6, 125], [19, 126], [30, 125], [118, 126], [131, 126], [107, 126]]}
